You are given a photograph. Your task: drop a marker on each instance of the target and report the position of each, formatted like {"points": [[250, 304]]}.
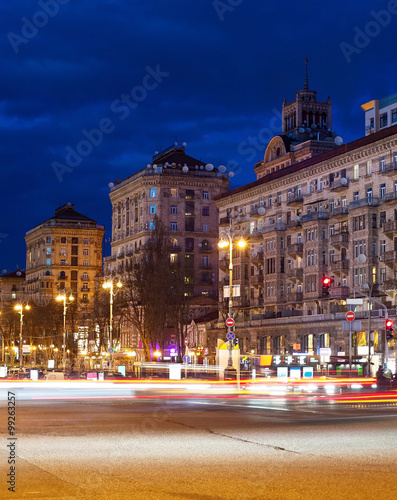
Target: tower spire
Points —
{"points": [[306, 84]]}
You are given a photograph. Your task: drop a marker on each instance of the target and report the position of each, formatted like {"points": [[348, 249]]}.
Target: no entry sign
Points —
{"points": [[350, 316], [230, 322]]}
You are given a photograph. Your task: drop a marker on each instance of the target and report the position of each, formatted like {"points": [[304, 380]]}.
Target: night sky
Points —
{"points": [[144, 74]]}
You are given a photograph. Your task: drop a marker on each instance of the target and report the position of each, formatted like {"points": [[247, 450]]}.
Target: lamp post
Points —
{"points": [[20, 309], [109, 285], [227, 236], [63, 298]]}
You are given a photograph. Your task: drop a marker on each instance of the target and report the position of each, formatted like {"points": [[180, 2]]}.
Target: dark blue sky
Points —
{"points": [[211, 73]]}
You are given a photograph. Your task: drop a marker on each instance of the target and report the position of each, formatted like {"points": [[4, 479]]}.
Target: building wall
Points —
{"points": [[310, 220]]}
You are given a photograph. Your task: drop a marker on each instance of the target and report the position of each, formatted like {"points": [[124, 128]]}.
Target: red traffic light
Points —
{"points": [[389, 324], [326, 281]]}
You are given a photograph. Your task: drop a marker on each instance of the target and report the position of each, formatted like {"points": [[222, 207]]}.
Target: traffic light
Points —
{"points": [[389, 329], [326, 282]]}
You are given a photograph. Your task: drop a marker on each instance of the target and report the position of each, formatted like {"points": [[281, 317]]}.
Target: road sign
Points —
{"points": [[230, 322], [111, 350], [350, 316], [186, 359], [186, 341], [230, 336]]}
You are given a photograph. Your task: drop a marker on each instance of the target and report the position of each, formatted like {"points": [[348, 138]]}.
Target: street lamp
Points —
{"points": [[227, 237], [20, 309], [63, 298], [110, 286]]}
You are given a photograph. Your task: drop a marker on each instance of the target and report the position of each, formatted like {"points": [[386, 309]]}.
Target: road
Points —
{"points": [[169, 445]]}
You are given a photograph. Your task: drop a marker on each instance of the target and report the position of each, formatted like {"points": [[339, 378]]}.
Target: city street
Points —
{"points": [[159, 445]]}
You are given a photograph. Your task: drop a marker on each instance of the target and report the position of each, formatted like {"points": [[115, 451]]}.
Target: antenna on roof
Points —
{"points": [[306, 84]]}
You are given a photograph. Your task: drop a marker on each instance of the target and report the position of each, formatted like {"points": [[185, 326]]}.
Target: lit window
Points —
{"points": [[153, 193], [174, 193], [356, 172]]}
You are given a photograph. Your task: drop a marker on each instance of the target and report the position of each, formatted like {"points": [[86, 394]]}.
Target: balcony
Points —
{"points": [[224, 221], [389, 169], [62, 277], [295, 274], [205, 266], [295, 296], [279, 226], [340, 266], [314, 216], [85, 290], [340, 211], [224, 263], [254, 212], [340, 239], [372, 201], [391, 196], [294, 199], [204, 248], [390, 258], [294, 223], [257, 259], [339, 292], [339, 184], [390, 228], [257, 281], [257, 302], [295, 249]]}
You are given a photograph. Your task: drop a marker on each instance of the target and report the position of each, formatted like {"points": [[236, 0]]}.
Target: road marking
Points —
{"points": [[241, 406]]}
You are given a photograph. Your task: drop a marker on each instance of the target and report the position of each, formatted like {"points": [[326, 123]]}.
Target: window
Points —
{"points": [[75, 241], [394, 115], [382, 163], [189, 208], [85, 263], [206, 211], [152, 209], [85, 276], [382, 219], [382, 247], [174, 193], [85, 287], [189, 244], [75, 250], [63, 251], [85, 251], [355, 195], [279, 197], [85, 297], [189, 224], [382, 191], [174, 226], [369, 167], [383, 120], [63, 239], [206, 195], [153, 193], [62, 285], [48, 262], [74, 261], [205, 261], [174, 209], [189, 194], [48, 251], [356, 172], [73, 275], [63, 262], [206, 228], [152, 225], [369, 195], [359, 223], [48, 239]]}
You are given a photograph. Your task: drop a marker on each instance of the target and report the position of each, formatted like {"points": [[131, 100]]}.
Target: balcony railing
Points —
{"points": [[295, 249], [372, 201], [315, 216], [339, 238], [294, 198], [295, 274], [295, 296], [340, 265], [339, 184]]}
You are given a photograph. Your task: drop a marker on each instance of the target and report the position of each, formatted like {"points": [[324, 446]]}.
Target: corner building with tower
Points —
{"points": [[319, 208]]}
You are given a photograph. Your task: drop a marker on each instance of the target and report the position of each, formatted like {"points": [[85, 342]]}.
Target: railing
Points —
{"points": [[315, 216], [295, 248], [364, 202]]}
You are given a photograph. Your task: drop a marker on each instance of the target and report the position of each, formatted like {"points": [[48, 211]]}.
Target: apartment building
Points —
{"points": [[12, 287], [64, 253], [380, 113], [330, 214]]}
